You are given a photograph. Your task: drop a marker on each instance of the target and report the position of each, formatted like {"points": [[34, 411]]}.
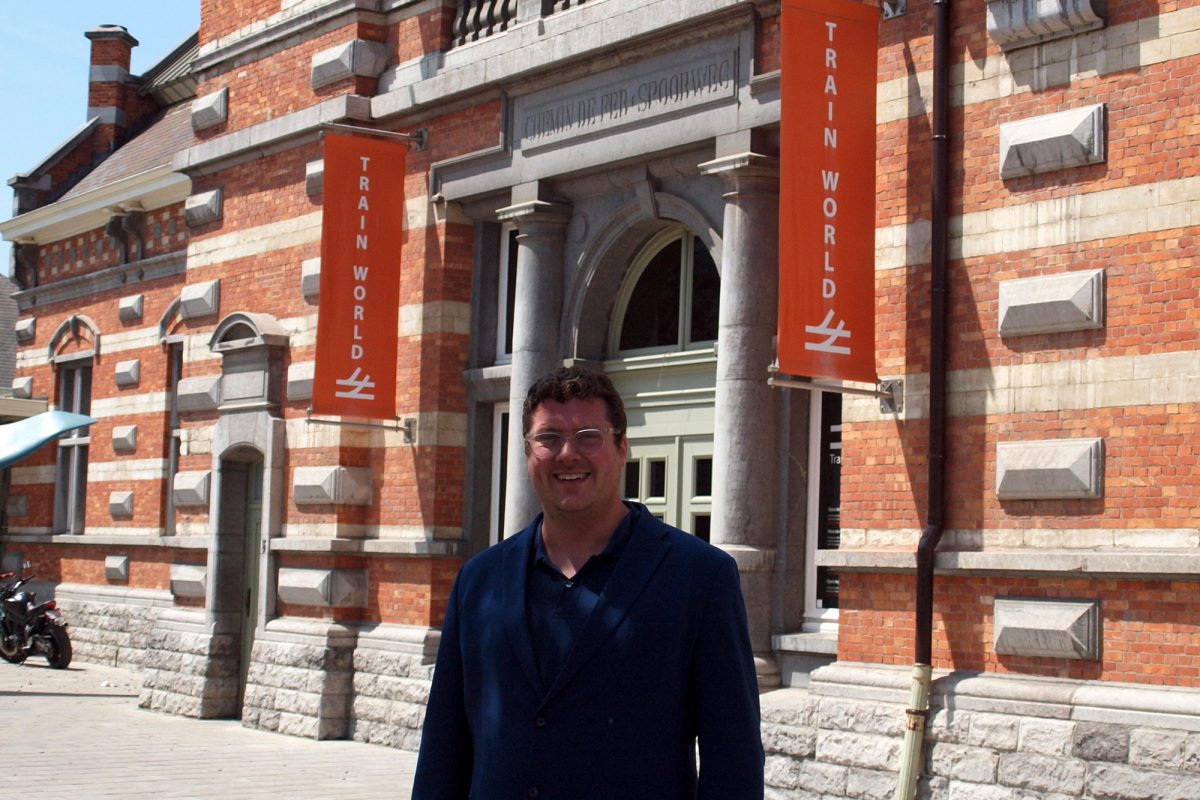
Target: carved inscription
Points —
{"points": [[590, 105]]}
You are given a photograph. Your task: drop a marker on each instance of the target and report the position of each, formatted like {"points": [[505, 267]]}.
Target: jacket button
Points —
{"points": [[532, 791], [541, 723]]}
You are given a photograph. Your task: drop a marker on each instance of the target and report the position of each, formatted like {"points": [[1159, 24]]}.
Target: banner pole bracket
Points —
{"points": [[407, 425], [889, 392], [893, 8], [416, 139]]}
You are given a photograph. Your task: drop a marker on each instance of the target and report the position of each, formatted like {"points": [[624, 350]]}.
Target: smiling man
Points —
{"points": [[598, 652]]}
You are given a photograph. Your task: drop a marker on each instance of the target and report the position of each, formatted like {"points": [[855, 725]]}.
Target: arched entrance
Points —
{"points": [[662, 360], [240, 542]]}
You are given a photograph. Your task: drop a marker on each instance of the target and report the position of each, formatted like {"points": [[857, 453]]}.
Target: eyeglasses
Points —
{"points": [[548, 444]]}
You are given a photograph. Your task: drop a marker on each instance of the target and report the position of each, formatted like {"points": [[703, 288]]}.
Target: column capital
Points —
{"points": [[535, 212], [742, 165]]}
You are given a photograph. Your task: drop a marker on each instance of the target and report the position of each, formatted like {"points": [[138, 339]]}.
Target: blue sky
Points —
{"points": [[44, 70]]}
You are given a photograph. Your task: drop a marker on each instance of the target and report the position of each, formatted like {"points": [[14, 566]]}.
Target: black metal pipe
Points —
{"points": [[939, 215]]}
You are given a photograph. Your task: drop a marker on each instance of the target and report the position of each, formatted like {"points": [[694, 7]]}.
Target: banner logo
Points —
{"points": [[827, 190], [361, 239]]}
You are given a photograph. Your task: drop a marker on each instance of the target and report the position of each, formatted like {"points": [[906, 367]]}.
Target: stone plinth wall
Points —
{"points": [[299, 688], [990, 737], [189, 670], [110, 626], [393, 666]]}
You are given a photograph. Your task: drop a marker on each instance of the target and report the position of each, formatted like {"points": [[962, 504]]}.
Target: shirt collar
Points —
{"points": [[612, 551]]}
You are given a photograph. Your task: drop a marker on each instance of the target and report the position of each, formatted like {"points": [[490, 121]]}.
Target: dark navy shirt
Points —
{"points": [[558, 607]]}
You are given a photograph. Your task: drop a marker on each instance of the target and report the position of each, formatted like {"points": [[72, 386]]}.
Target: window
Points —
{"points": [[499, 469], [70, 473], [174, 373], [670, 300], [506, 293], [824, 515]]}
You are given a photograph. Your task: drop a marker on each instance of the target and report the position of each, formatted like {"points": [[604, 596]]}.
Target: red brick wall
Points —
{"points": [[1151, 480], [1150, 628]]}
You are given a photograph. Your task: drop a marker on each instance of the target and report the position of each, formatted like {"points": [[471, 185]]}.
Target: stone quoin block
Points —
{"points": [[1071, 301], [210, 110], [200, 299], [1047, 628], [314, 177], [22, 388], [25, 329], [188, 580], [124, 438], [203, 208], [116, 568], [350, 486], [130, 309], [1064, 139], [128, 373], [1020, 23], [339, 588], [1050, 469], [310, 279], [191, 488], [357, 57], [300, 380], [199, 393], [120, 504]]}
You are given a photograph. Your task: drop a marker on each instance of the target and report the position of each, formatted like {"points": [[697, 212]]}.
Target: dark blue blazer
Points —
{"points": [[663, 661]]}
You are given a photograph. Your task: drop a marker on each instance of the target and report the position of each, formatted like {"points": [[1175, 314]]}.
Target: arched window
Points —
{"points": [[73, 348], [670, 299], [660, 342]]}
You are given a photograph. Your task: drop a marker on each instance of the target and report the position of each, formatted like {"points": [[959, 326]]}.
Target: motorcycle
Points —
{"points": [[28, 627]]}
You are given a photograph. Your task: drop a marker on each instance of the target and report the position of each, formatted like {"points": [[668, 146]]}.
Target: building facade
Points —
{"points": [[598, 182]]}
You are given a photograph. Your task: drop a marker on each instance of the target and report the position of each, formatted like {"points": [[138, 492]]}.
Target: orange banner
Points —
{"points": [[361, 236], [827, 190]]}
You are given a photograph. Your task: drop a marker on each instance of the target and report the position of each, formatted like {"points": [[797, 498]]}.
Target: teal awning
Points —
{"points": [[19, 439]]}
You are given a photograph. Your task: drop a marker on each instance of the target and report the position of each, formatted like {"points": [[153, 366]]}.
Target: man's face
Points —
{"points": [[573, 481]]}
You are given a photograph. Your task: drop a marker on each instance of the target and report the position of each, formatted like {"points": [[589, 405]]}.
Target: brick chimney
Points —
{"points": [[112, 91]]}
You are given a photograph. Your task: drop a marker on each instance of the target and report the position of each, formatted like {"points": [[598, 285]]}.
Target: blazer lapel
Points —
{"points": [[644, 551], [514, 573]]}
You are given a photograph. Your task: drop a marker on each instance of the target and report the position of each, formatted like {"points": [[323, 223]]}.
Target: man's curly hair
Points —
{"points": [[574, 383]]}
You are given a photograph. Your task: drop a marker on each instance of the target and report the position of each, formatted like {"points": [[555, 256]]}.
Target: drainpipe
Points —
{"points": [[923, 650]]}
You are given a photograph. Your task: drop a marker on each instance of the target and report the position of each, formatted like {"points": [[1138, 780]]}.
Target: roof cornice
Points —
{"points": [[151, 189]]}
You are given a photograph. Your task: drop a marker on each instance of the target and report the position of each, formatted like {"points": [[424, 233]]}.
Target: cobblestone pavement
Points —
{"points": [[78, 733]]}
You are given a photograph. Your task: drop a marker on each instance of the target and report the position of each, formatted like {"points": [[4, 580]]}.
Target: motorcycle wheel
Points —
{"points": [[16, 658], [59, 652]]}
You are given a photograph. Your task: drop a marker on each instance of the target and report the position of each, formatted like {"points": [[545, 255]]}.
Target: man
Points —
{"points": [[585, 657]]}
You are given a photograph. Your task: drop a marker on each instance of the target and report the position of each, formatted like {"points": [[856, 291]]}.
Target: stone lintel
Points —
{"points": [[130, 309], [189, 580], [1043, 628], [1050, 469], [116, 568], [191, 488], [203, 208], [1062, 140], [1021, 23], [210, 110], [337, 485], [1068, 301], [200, 299], [199, 393]]}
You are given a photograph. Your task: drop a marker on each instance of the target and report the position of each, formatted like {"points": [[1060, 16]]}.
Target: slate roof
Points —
{"points": [[154, 147]]}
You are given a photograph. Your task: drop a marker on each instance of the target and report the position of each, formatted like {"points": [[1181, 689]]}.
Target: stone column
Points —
{"points": [[541, 239], [745, 442]]}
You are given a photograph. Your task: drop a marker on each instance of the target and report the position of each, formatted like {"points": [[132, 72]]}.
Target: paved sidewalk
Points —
{"points": [[78, 733]]}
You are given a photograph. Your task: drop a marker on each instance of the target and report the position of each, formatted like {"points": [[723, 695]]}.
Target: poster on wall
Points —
{"points": [[827, 190], [362, 232]]}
